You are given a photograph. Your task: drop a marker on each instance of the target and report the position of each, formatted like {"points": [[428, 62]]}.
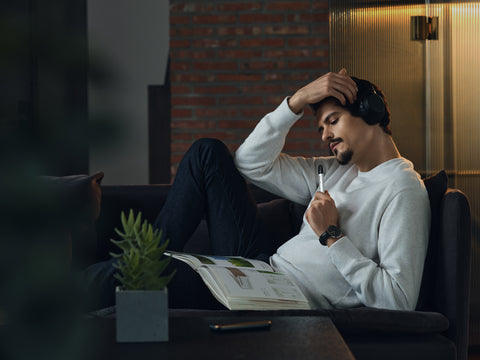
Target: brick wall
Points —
{"points": [[234, 61]]}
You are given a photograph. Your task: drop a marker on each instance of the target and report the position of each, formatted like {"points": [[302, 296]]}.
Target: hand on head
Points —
{"points": [[338, 85]]}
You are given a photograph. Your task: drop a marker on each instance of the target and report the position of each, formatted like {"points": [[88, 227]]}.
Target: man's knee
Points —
{"points": [[209, 149], [210, 144]]}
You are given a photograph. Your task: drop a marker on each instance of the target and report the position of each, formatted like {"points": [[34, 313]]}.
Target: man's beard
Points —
{"points": [[345, 157]]}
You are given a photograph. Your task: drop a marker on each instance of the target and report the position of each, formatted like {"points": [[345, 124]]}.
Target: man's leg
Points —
{"points": [[208, 184]]}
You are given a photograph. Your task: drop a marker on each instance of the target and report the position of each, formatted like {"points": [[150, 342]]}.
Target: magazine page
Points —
{"points": [[214, 287], [247, 288], [197, 260]]}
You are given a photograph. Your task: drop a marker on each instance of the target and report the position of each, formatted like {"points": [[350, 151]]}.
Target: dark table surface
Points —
{"points": [[289, 337]]}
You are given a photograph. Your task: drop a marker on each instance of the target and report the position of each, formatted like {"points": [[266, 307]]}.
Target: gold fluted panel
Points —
{"points": [[437, 114], [465, 29], [374, 43]]}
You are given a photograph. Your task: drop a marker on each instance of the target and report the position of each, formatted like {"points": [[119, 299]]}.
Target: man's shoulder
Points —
{"points": [[397, 175], [404, 177]]}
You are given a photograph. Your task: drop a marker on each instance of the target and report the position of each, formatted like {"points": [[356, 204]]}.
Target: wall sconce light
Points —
{"points": [[424, 27]]}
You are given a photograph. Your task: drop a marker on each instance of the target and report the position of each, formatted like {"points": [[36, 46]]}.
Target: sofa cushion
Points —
{"points": [[276, 220], [296, 212], [436, 186]]}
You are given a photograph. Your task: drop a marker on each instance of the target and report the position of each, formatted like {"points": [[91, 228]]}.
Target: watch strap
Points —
{"points": [[323, 238], [331, 232]]}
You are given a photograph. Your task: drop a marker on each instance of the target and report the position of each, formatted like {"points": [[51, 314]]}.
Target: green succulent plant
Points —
{"points": [[142, 259]]}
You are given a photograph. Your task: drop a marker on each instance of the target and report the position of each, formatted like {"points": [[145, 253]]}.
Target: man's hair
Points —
{"points": [[365, 90]]}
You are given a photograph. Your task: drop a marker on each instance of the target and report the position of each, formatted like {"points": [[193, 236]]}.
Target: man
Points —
{"points": [[373, 196], [362, 242]]}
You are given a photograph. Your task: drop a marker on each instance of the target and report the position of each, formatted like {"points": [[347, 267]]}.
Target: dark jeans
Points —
{"points": [[207, 185]]}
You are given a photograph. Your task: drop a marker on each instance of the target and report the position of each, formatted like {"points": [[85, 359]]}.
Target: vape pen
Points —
{"points": [[320, 178]]}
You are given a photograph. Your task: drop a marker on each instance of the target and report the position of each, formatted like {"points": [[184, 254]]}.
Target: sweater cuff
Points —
{"points": [[285, 115], [344, 254]]}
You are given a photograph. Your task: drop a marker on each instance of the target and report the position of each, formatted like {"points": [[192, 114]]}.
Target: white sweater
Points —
{"points": [[384, 214]]}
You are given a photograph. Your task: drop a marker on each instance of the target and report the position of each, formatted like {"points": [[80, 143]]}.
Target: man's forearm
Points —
{"points": [[259, 158]]}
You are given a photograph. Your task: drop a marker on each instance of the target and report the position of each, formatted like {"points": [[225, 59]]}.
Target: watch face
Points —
{"points": [[334, 231]]}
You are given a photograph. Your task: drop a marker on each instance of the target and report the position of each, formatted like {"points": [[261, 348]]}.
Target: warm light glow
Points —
{"points": [[390, 11], [465, 80]]}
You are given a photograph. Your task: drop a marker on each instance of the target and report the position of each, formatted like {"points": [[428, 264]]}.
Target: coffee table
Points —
{"points": [[289, 337]]}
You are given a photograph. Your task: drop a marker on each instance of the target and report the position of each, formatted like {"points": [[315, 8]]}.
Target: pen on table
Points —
{"points": [[265, 324], [320, 178]]}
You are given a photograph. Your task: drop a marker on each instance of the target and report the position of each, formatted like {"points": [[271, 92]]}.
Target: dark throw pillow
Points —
{"points": [[436, 186], [74, 203]]}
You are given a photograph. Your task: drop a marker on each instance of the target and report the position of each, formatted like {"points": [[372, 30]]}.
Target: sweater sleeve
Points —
{"points": [[393, 282], [260, 160]]}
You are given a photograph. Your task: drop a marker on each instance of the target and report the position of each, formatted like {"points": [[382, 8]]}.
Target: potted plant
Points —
{"points": [[142, 300]]}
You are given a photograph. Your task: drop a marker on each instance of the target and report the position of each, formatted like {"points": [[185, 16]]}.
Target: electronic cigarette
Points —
{"points": [[320, 178]]}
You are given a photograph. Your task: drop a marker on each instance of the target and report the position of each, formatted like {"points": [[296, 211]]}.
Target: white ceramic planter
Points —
{"points": [[142, 316]]}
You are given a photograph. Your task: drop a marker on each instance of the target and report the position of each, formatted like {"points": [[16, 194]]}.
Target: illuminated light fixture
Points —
{"points": [[424, 27]]}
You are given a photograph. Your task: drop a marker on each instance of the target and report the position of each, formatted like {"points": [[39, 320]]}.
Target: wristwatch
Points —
{"points": [[331, 232]]}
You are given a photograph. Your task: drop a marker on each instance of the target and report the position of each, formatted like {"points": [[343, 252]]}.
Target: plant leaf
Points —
{"points": [[141, 263]]}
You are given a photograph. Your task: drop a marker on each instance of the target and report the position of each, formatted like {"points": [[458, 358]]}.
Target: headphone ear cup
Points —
{"points": [[372, 109]]}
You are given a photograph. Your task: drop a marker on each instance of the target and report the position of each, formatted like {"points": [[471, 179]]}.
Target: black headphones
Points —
{"points": [[369, 104]]}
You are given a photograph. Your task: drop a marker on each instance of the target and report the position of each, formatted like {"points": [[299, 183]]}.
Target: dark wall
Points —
{"points": [[43, 68]]}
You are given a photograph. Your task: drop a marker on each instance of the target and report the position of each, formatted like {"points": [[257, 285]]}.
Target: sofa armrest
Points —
{"points": [[452, 291]]}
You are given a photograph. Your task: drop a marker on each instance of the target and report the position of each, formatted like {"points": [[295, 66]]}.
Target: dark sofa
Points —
{"points": [[437, 330]]}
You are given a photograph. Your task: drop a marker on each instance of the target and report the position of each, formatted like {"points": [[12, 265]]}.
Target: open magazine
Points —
{"points": [[245, 284]]}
